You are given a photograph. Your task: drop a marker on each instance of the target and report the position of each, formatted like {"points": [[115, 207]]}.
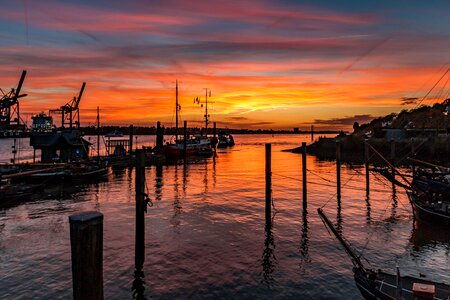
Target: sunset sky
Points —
{"points": [[269, 64]]}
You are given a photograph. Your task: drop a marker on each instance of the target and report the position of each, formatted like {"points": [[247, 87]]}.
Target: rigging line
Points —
{"points": [[314, 173], [373, 231], [336, 192], [442, 88], [329, 185], [388, 186], [426, 95]]}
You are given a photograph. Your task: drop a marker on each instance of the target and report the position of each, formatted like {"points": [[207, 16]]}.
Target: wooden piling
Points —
{"points": [[86, 240], [304, 174], [268, 182], [366, 163], [338, 169], [214, 129], [131, 140], [159, 136], [140, 207], [312, 132]]}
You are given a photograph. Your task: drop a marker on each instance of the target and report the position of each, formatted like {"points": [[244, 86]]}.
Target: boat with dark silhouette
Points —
{"points": [[225, 140], [382, 285], [432, 208]]}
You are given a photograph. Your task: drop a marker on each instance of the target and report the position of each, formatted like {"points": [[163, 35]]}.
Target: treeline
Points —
{"points": [[151, 130]]}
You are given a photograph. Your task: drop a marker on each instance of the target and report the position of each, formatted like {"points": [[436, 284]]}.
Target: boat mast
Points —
{"points": [[355, 258], [176, 111], [98, 133], [206, 111]]}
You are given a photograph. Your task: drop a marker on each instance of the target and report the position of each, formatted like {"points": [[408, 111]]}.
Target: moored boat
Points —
{"points": [[430, 208], [382, 285]]}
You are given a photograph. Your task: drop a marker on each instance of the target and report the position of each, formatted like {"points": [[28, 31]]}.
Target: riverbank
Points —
{"points": [[434, 149]]}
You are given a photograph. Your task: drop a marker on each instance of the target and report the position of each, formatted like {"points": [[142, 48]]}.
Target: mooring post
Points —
{"points": [[86, 241], [338, 169], [214, 129], [268, 182], [312, 132], [131, 140], [304, 174], [366, 163], [185, 138], [140, 207], [159, 136]]}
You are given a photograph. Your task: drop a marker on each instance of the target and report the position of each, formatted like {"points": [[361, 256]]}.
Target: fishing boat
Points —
{"points": [[197, 145], [431, 208], [382, 285]]}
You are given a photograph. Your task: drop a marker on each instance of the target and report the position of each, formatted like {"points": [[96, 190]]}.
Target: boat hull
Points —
{"points": [[426, 214]]}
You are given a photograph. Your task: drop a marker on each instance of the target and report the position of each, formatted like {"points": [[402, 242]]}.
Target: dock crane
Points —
{"points": [[70, 114], [9, 105]]}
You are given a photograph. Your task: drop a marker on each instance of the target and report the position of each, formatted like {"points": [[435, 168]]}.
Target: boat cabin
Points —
{"points": [[62, 146]]}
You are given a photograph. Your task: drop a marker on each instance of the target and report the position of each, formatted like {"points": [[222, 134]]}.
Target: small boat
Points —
{"points": [[382, 285], [225, 140], [89, 172], [114, 134], [432, 208]]}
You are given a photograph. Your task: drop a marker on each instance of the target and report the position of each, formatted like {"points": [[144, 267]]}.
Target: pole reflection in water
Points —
{"points": [[205, 178], [185, 176], [214, 170], [339, 217], [368, 210], [304, 243], [176, 203], [159, 183], [268, 256]]}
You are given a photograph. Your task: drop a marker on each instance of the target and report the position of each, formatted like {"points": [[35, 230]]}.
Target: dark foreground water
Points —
{"points": [[206, 237]]}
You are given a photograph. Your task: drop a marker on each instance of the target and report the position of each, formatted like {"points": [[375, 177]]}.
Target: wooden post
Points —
{"points": [[366, 163], [185, 138], [338, 169], [214, 129], [86, 240], [140, 208], [131, 140], [304, 174], [268, 182], [159, 136], [312, 132]]}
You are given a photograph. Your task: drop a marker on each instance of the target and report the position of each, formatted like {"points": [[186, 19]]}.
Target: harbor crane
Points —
{"points": [[70, 114], [9, 106]]}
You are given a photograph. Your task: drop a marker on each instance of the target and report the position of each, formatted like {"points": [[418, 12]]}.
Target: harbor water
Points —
{"points": [[206, 235]]}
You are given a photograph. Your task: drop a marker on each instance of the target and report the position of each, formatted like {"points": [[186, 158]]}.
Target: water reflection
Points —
{"points": [[339, 217], [304, 243], [368, 210], [159, 183], [176, 203], [268, 256], [214, 170], [425, 236]]}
